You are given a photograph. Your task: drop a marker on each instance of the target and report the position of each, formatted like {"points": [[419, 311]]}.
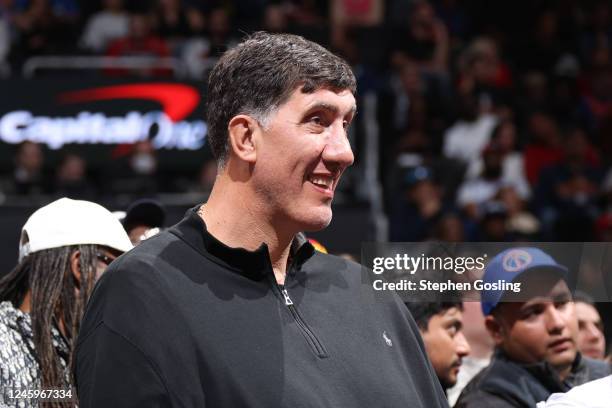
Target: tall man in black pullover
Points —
{"points": [[231, 307]]}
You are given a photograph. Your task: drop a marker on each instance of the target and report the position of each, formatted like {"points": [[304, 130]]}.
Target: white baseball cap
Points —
{"points": [[67, 222]]}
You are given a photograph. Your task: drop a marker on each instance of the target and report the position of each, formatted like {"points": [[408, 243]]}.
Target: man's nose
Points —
{"points": [[462, 345], [555, 320], [338, 151], [593, 332]]}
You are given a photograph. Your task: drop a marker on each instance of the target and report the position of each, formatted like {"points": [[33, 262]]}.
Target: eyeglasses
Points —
{"points": [[104, 258]]}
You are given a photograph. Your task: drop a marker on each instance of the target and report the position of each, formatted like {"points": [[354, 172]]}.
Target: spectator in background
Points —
{"points": [[71, 178], [475, 192], [105, 26], [421, 102], [307, 13], [220, 32], [28, 176], [143, 219], [606, 191], [596, 103], [567, 192], [141, 41], [424, 42], [521, 224], [535, 333], [481, 346], [417, 210], [591, 341], [409, 88], [455, 17], [137, 173], [449, 228], [533, 95], [598, 31], [468, 136], [544, 147], [275, 19], [493, 222], [441, 323], [565, 91], [482, 70], [545, 46], [603, 227], [45, 27], [503, 137], [64, 248], [5, 40], [177, 21]]}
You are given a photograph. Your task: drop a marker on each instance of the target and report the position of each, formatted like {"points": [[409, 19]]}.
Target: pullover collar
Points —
{"points": [[254, 265]]}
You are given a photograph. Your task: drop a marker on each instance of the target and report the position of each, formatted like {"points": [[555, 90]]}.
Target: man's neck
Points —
{"points": [[563, 371], [240, 221]]}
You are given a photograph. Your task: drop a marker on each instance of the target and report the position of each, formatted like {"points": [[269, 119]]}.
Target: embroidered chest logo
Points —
{"points": [[387, 339]]}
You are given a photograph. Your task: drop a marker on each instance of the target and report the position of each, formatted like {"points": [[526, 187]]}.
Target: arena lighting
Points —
{"points": [[167, 129]]}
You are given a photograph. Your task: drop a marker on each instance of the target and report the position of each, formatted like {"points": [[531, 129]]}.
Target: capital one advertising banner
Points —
{"points": [[56, 113]]}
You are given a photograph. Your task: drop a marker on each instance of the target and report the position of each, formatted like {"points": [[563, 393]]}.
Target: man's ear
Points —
{"points": [[495, 329], [75, 268], [241, 130]]}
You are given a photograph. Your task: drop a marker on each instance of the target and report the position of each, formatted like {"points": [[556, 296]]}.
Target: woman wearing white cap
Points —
{"points": [[63, 249]]}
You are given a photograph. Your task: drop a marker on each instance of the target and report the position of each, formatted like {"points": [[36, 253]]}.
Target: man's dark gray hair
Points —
{"points": [[260, 74]]}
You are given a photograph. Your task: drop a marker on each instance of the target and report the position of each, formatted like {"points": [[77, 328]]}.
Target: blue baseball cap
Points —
{"points": [[508, 265], [417, 174]]}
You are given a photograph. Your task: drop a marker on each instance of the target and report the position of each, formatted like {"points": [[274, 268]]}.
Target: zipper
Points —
{"points": [[288, 301], [312, 340]]}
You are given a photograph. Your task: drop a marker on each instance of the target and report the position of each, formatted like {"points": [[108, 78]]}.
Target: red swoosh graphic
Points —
{"points": [[177, 100]]}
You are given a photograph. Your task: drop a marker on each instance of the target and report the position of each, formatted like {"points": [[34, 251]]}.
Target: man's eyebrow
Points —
{"points": [[562, 297], [455, 322], [535, 302], [331, 108]]}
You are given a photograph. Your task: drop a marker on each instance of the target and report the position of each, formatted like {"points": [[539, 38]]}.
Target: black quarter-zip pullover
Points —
{"points": [[183, 320]]}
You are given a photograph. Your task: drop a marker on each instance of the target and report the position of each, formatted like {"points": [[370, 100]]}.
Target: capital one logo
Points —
{"points": [[177, 100], [166, 128]]}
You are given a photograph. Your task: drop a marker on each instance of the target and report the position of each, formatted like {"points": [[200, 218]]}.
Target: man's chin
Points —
{"points": [[317, 220], [448, 382], [564, 358]]}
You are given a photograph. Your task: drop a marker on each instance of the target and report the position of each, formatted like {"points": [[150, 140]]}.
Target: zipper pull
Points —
{"points": [[288, 301]]}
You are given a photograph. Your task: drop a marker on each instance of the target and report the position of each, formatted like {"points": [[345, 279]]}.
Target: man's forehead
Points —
{"points": [[535, 284], [586, 311], [539, 297], [452, 313]]}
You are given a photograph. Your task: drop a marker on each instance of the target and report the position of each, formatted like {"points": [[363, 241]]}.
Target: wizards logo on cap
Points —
{"points": [[516, 260]]}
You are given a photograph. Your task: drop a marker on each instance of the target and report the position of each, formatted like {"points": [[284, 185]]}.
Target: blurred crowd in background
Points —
{"points": [[495, 118]]}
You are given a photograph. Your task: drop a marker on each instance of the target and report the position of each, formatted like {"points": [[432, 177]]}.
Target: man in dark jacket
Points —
{"points": [[231, 307], [440, 321], [535, 331]]}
